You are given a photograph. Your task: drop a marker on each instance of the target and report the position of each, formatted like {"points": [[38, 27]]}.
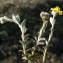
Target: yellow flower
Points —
{"points": [[57, 9]]}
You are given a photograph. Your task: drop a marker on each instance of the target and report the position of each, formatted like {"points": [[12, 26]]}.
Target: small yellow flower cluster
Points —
{"points": [[57, 9], [54, 11]]}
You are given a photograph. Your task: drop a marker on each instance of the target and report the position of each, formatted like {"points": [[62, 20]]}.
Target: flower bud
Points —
{"points": [[44, 16]]}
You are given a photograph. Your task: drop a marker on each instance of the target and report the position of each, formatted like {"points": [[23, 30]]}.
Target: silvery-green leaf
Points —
{"points": [[15, 18], [6, 19], [54, 13], [52, 21], [29, 50], [1, 20], [24, 57], [35, 38], [20, 51], [29, 55], [42, 39], [26, 37], [23, 28], [20, 41], [18, 18], [40, 43], [28, 43], [46, 42], [23, 23]]}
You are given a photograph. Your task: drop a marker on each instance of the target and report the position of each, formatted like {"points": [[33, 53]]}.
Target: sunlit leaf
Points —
{"points": [[20, 51], [23, 24], [40, 43], [16, 18], [28, 50], [42, 39], [35, 38], [20, 41], [26, 37]]}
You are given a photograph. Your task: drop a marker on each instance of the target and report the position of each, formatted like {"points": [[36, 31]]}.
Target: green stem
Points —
{"points": [[46, 47], [42, 30], [44, 54], [23, 44]]}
